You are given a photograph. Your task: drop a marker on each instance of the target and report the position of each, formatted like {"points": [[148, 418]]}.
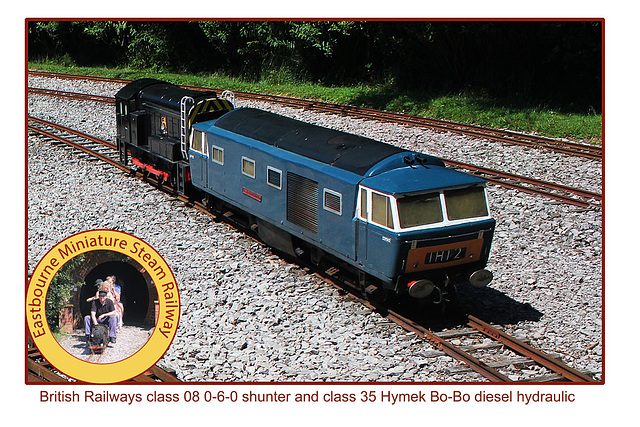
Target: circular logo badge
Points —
{"points": [[168, 306]]}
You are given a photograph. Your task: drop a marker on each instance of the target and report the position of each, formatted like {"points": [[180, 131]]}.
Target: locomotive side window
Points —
{"points": [[218, 154], [381, 210], [363, 203], [419, 210], [466, 203], [274, 177], [199, 142], [332, 201], [249, 167]]}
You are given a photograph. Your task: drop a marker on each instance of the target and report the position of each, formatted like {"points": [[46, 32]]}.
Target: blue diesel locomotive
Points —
{"points": [[397, 220]]}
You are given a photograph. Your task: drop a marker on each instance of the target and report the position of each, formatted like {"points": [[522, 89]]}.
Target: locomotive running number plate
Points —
{"points": [[431, 257]]}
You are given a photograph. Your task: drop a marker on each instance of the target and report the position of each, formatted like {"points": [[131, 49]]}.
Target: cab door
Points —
{"points": [[199, 158], [377, 243], [362, 226], [122, 120]]}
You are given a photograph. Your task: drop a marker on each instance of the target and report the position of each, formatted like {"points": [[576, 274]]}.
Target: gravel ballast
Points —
{"points": [[248, 315]]}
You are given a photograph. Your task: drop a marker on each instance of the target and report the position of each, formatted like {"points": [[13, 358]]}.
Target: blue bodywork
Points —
{"points": [[333, 165]]}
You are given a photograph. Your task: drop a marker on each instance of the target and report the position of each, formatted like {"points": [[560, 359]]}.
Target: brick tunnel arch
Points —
{"points": [[138, 303]]}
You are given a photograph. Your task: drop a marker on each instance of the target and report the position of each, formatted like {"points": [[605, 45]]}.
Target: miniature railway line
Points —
{"points": [[510, 137], [476, 329], [520, 347], [102, 150], [558, 370], [559, 192], [535, 141], [562, 193], [71, 95], [95, 357]]}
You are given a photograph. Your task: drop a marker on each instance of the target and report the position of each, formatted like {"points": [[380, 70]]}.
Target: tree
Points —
{"points": [[60, 290]]}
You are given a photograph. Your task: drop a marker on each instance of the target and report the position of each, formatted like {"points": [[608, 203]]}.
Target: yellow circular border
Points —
{"points": [[168, 299]]}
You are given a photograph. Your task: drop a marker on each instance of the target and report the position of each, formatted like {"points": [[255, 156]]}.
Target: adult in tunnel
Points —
{"points": [[102, 311]]}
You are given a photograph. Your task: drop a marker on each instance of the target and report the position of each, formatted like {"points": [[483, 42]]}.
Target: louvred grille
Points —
{"points": [[302, 202]]}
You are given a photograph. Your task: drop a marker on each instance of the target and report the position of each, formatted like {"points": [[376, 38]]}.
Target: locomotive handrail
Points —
{"points": [[229, 96], [186, 103]]}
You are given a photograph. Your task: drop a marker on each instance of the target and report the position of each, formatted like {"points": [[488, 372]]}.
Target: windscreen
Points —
{"points": [[466, 203], [419, 210]]}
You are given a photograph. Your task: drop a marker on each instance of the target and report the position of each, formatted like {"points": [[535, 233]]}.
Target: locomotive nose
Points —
{"points": [[421, 288]]}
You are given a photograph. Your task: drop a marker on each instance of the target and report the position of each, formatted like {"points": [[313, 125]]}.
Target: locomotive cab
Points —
{"points": [[154, 121], [427, 237]]}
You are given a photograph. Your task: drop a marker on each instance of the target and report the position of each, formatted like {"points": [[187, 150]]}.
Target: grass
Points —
{"points": [[477, 110]]}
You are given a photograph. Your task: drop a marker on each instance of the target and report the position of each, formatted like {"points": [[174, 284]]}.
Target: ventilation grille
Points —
{"points": [[333, 202], [274, 178], [302, 202]]}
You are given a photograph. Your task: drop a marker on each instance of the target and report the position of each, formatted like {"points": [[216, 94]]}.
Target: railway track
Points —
{"points": [[590, 151], [41, 371], [509, 137], [95, 357], [557, 370], [71, 95], [87, 144], [478, 345], [559, 192], [526, 355]]}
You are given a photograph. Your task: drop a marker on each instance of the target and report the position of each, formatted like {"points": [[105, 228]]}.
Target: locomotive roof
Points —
{"points": [[160, 93], [130, 90], [346, 151], [418, 179]]}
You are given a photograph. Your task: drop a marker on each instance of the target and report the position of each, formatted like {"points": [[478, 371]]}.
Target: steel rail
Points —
{"points": [[441, 343], [71, 95], [69, 131], [507, 136], [40, 371], [449, 349], [156, 374], [502, 179], [43, 372], [497, 177], [536, 355], [70, 76], [77, 146], [81, 147], [511, 343]]}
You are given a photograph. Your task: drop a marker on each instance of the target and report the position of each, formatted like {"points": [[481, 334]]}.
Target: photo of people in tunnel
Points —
{"points": [[104, 303]]}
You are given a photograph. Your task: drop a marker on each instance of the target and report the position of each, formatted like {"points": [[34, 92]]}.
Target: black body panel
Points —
{"points": [[160, 93], [131, 90], [167, 95]]}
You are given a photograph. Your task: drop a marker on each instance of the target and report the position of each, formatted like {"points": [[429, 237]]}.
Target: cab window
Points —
{"points": [[199, 142], [363, 204], [419, 210], [466, 203], [381, 210]]}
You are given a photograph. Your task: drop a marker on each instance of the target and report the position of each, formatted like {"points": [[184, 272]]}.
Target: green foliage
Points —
{"points": [[544, 76], [60, 289], [462, 108], [557, 63]]}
